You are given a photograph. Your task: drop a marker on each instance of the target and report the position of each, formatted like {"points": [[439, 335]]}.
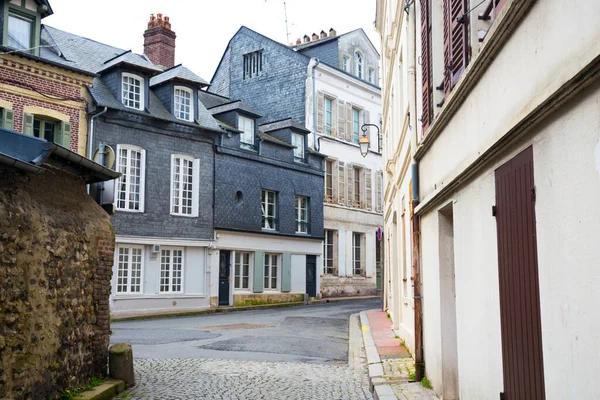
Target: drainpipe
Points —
{"points": [[90, 141], [313, 65], [416, 255]]}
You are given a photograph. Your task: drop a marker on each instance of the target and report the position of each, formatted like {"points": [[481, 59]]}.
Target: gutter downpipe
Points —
{"points": [[90, 140], [313, 64], [416, 226]]}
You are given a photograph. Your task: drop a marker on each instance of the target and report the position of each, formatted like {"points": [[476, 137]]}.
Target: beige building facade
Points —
{"points": [[508, 176]]}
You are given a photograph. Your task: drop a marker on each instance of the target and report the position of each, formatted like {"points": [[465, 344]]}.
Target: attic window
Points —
{"points": [[183, 103], [133, 91], [358, 65], [253, 64], [20, 31]]}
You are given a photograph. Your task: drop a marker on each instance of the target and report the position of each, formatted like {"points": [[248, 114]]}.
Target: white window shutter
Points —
{"points": [[378, 191], [350, 184], [349, 129], [142, 179], [341, 117], [334, 181], [320, 111], [196, 188], [368, 190], [341, 183]]}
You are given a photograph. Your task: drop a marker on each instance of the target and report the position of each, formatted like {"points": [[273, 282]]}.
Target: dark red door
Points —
{"points": [[519, 285]]}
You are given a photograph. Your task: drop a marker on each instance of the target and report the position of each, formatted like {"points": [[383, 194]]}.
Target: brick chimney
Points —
{"points": [[159, 42]]}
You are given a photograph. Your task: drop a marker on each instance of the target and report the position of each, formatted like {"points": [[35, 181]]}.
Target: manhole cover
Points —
{"points": [[233, 327]]}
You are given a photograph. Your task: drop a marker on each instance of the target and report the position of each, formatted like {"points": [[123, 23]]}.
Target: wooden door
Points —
{"points": [[224, 276], [311, 276], [520, 319]]}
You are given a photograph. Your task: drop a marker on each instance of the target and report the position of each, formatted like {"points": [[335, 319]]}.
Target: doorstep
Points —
{"points": [[107, 390]]}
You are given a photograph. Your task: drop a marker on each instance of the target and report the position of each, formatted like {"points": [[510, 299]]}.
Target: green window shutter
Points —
{"points": [[28, 124], [286, 273], [64, 134], [8, 119], [259, 272]]}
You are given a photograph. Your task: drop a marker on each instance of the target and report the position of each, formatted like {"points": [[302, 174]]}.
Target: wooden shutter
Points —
{"points": [[28, 124], [350, 184], [64, 134], [320, 111], [341, 183], [334, 181], [258, 276], [349, 133], [368, 189], [456, 42], [8, 119], [378, 191], [341, 117], [286, 272], [427, 87]]}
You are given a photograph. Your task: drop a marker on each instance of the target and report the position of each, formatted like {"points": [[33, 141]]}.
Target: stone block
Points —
{"points": [[120, 363]]}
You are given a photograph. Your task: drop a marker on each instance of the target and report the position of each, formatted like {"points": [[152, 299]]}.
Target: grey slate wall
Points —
{"points": [[326, 53], [160, 140], [278, 92], [239, 172]]}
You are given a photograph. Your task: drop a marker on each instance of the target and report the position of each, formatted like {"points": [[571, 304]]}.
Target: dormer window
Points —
{"points": [[358, 65], [246, 125], [298, 141], [133, 91], [183, 103], [20, 31]]}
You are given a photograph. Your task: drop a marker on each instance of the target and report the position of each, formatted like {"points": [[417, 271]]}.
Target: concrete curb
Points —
{"points": [[171, 314], [106, 391], [377, 383]]}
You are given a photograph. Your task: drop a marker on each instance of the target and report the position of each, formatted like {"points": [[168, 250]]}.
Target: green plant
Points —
{"points": [[68, 394], [388, 315], [397, 337], [425, 383], [411, 376]]}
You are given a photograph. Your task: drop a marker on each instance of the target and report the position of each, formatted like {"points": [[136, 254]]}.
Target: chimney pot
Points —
{"points": [[306, 39], [331, 32], [323, 34], [159, 42], [315, 36], [298, 41]]}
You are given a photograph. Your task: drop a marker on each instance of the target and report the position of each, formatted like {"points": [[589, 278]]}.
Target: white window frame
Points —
{"points": [[129, 270], [358, 64], [180, 190], [328, 255], [346, 63], [298, 141], [246, 125], [28, 19], [177, 103], [371, 75], [169, 279], [356, 235], [301, 224], [266, 225], [328, 122], [241, 275], [127, 177], [123, 92], [269, 277]]}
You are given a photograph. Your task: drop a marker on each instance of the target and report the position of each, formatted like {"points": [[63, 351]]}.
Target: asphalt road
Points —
{"points": [[308, 334]]}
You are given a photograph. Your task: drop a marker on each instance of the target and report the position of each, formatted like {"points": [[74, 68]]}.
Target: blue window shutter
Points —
{"points": [[259, 272], [286, 273]]}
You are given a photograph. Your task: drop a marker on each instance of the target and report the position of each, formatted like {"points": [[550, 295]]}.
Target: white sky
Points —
{"points": [[204, 27]]}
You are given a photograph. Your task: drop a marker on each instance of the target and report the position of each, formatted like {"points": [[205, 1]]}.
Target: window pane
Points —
{"points": [[19, 32]]}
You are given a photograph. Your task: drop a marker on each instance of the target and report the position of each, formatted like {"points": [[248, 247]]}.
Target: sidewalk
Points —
{"points": [[391, 366]]}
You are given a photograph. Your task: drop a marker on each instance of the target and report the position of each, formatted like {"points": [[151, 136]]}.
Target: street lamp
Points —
{"points": [[364, 142]]}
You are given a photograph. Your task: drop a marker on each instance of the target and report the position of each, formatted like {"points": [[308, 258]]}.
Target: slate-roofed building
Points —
{"points": [[328, 84], [269, 213], [147, 111]]}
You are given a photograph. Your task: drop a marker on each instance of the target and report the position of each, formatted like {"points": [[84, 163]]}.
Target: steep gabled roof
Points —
{"points": [[328, 39], [129, 58], [234, 105], [179, 73]]}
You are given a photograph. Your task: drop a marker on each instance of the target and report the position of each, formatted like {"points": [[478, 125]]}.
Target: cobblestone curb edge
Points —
{"points": [[377, 383]]}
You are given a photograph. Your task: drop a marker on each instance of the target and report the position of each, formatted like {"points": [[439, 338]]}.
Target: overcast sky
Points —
{"points": [[204, 27]]}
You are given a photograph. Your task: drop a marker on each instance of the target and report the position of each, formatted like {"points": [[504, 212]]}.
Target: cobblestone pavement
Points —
{"points": [[316, 370], [230, 379]]}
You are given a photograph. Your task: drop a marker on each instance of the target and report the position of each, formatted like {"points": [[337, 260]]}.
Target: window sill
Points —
{"points": [[184, 215], [129, 211], [269, 230], [303, 233]]}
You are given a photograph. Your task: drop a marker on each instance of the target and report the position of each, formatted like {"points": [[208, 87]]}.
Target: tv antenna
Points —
{"points": [[287, 32]]}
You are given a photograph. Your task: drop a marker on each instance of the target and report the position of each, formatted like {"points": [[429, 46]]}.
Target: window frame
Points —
{"points": [[304, 225], [266, 218], [357, 186], [329, 181], [357, 237], [127, 175], [190, 92], [43, 122], [241, 276], [24, 16], [129, 270], [142, 90], [299, 153], [328, 125], [358, 64], [195, 185], [328, 254], [252, 64], [170, 278], [269, 277], [346, 63], [242, 126], [355, 125], [371, 75]]}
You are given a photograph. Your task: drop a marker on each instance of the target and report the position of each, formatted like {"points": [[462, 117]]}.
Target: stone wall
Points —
{"points": [[56, 253]]}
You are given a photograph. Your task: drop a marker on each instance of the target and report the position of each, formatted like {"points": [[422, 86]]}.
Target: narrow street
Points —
{"points": [[311, 352]]}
